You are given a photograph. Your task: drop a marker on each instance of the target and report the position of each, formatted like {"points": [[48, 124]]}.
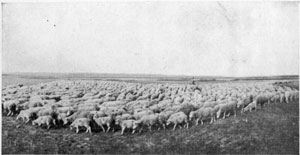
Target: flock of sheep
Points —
{"points": [[114, 106]]}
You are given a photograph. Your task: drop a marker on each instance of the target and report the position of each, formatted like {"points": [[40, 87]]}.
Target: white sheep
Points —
{"points": [[178, 118]]}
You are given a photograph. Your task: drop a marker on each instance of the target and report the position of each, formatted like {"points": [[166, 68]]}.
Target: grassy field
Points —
{"points": [[274, 129]]}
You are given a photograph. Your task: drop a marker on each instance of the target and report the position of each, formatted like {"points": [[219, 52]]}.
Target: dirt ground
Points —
{"points": [[274, 129]]}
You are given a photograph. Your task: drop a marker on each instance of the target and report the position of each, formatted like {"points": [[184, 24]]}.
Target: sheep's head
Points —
{"points": [[118, 121], [168, 122], [136, 124], [72, 126], [239, 104], [34, 122], [19, 108], [66, 121], [191, 116]]}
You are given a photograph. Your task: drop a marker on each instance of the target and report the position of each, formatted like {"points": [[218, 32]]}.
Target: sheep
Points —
{"points": [[108, 120], [28, 114], [252, 105], [66, 110], [85, 122], [178, 118], [45, 111], [145, 97], [119, 111], [173, 108], [287, 95], [275, 98], [244, 103], [98, 113], [32, 104], [139, 115], [232, 106], [47, 119], [224, 108], [163, 117], [23, 100], [155, 108], [186, 108], [61, 116], [210, 104], [10, 106], [282, 97], [86, 108], [261, 100], [123, 117], [203, 113], [113, 103], [154, 96], [161, 97], [81, 114], [126, 124], [147, 120]]}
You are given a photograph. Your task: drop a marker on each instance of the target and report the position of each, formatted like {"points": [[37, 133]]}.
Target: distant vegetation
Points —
{"points": [[143, 77]]}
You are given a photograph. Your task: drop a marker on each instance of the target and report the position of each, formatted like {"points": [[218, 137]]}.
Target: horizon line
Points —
{"points": [[148, 74]]}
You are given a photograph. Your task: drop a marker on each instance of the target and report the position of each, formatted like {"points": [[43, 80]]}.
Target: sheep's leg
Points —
{"points": [[197, 121], [187, 124], [23, 119], [9, 113], [108, 127], [102, 128], [174, 126], [122, 132], [133, 131], [88, 129], [54, 122], [228, 114], [141, 129], [164, 126], [201, 122], [27, 121], [234, 113], [224, 114], [211, 120], [149, 127], [77, 129]]}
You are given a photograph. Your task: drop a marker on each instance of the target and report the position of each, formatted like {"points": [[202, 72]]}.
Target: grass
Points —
{"points": [[272, 130]]}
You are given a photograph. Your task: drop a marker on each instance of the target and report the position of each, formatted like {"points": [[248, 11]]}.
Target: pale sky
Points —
{"points": [[173, 38]]}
